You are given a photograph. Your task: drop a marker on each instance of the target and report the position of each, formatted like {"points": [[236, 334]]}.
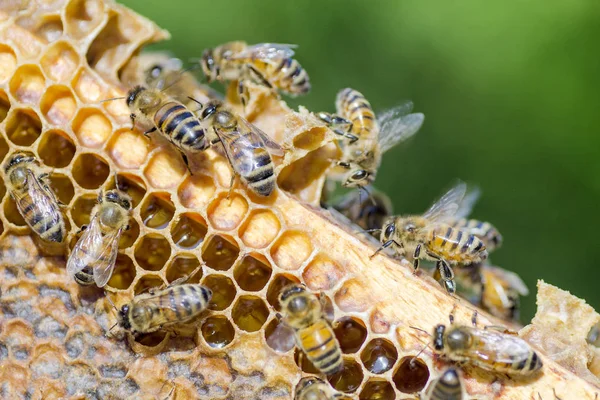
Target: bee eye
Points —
{"points": [[359, 175], [389, 231]]}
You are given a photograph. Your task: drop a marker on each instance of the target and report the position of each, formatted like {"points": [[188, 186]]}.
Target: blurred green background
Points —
{"points": [[510, 91]]}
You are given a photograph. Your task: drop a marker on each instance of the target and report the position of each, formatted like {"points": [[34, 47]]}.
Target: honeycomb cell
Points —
{"points": [[312, 139], [123, 274], [157, 210], [189, 231], [132, 186], [411, 375], [148, 282], [291, 250], [352, 296], [58, 105], [220, 253], [3, 148], [250, 313], [279, 282], [82, 209], [2, 189], [56, 149], [151, 339], [260, 229], [50, 28], [129, 236], [128, 148], [12, 213], [226, 214], [217, 331], [377, 390], [349, 378], [276, 344], [60, 61], [165, 170], [252, 274], [223, 291], [379, 356], [91, 127], [8, 60], [184, 265], [152, 252], [90, 171], [322, 273], [4, 105], [304, 363], [1, 227], [27, 84], [351, 333], [23, 127], [82, 16], [86, 86], [110, 44], [62, 186], [196, 191]]}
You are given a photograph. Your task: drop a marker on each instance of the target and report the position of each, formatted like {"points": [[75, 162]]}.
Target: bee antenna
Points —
{"points": [[197, 102], [112, 304], [422, 330], [412, 361], [114, 98], [180, 73], [362, 188], [373, 230], [117, 181]]}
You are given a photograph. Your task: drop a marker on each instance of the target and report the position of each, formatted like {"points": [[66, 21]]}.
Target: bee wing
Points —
{"points": [[267, 51], [468, 202], [85, 248], [512, 279], [272, 146], [103, 271], [447, 206], [282, 339], [396, 125], [500, 347], [43, 201]]}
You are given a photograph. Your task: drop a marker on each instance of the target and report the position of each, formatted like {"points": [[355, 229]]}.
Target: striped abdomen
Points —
{"points": [[321, 347], [47, 223], [456, 245], [447, 387], [353, 106], [286, 75], [260, 177], [483, 230], [181, 126]]}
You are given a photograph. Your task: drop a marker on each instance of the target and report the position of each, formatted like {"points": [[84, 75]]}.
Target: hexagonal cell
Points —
{"points": [[165, 169], [351, 333], [62, 186], [250, 313], [132, 185], [220, 253], [27, 84], [82, 208], [1, 227], [152, 252], [304, 363], [112, 43], [184, 265], [12, 214], [277, 283], [58, 105], [90, 171], [2, 189], [226, 214], [223, 291], [196, 191], [82, 16], [91, 127], [148, 282], [189, 231], [153, 339], [377, 390], [4, 105], [412, 375], [128, 237], [352, 296], [86, 85], [278, 324], [60, 61], [252, 273], [123, 274], [23, 127], [56, 149], [379, 356], [8, 60], [260, 228], [3, 148], [291, 249], [322, 273], [217, 331], [157, 210], [128, 148], [50, 28], [349, 378]]}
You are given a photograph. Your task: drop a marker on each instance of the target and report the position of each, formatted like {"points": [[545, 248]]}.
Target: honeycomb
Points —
{"points": [[58, 60]]}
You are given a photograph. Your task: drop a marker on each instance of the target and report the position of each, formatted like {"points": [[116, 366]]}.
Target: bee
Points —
{"points": [[446, 387], [152, 311], [368, 137], [593, 336], [95, 254], [501, 291], [367, 212], [267, 64], [429, 236], [305, 323], [313, 388], [29, 186]]}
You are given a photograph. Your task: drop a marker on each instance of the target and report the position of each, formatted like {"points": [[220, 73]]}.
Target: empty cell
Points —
{"points": [[60, 61], [58, 105], [227, 213], [312, 139], [291, 250], [82, 208], [260, 229], [250, 313], [1, 227], [82, 16], [322, 273], [223, 291], [90, 171], [27, 84], [148, 282], [157, 210], [62, 186], [12, 214], [353, 296], [196, 191], [50, 28], [165, 170], [302, 176], [217, 331], [23, 127], [128, 148], [8, 60], [111, 45], [132, 185], [412, 375], [4, 105], [153, 339], [351, 333], [56, 149], [129, 236], [184, 266], [377, 390], [349, 378], [152, 252], [379, 356], [189, 231], [279, 282], [2, 189], [91, 127], [123, 274], [87, 86], [220, 253], [3, 149], [252, 274]]}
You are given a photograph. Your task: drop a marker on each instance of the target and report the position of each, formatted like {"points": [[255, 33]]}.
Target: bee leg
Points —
{"points": [[132, 117], [231, 186], [243, 93], [149, 131], [339, 126], [416, 256], [257, 76], [474, 319], [186, 162], [343, 164], [384, 246], [179, 281], [83, 228]]}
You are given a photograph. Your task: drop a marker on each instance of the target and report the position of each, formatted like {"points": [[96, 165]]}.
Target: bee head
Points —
{"points": [[438, 337], [209, 66], [18, 158], [358, 178], [134, 94], [124, 317], [305, 383]]}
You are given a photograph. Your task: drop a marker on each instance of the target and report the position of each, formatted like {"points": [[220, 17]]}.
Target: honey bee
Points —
{"points": [[305, 323], [267, 64], [313, 388], [429, 236], [501, 291], [446, 387], [368, 137], [93, 257], [29, 186], [367, 212], [152, 311]]}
